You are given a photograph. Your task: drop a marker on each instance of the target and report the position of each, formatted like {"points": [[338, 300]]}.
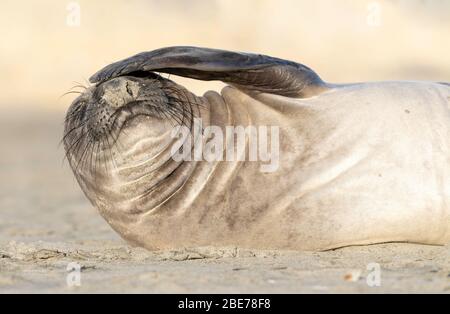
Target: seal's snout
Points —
{"points": [[118, 92], [107, 105]]}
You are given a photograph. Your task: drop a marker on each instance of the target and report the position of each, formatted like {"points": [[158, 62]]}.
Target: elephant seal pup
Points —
{"points": [[356, 164]]}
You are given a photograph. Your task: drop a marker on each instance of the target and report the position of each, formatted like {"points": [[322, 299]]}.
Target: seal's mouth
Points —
{"points": [[97, 118]]}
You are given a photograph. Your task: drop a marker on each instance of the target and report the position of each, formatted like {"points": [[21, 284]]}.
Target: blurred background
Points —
{"points": [[48, 46]]}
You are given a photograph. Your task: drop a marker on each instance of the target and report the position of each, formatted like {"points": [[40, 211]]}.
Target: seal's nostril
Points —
{"points": [[128, 89]]}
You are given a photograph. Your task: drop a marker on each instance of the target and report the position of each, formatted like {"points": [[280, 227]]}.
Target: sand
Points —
{"points": [[46, 224]]}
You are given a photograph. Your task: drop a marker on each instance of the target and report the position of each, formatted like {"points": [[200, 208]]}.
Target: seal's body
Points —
{"points": [[358, 164]]}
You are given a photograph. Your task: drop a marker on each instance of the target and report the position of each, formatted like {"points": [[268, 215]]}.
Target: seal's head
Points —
{"points": [[98, 118], [118, 138]]}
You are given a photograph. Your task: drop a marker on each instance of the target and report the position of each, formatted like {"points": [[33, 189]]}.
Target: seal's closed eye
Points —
{"points": [[246, 71]]}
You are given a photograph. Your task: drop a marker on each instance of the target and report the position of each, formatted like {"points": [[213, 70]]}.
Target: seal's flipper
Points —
{"points": [[244, 70]]}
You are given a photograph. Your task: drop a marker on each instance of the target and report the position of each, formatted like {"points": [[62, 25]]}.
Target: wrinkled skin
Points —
{"points": [[359, 163]]}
